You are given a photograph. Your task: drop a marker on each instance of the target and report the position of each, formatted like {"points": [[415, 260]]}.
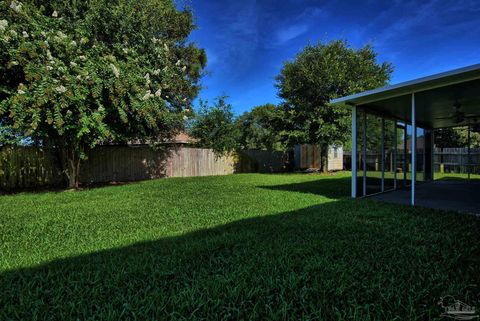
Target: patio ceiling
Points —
{"points": [[440, 99]]}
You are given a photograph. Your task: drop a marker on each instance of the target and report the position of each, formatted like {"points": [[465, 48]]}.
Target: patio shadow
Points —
{"points": [[331, 188]]}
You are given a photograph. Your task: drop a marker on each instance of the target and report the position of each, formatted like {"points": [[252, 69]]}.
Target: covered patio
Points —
{"points": [[449, 195], [393, 139]]}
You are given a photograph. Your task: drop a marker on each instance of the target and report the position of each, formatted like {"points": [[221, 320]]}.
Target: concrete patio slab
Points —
{"points": [[460, 196]]}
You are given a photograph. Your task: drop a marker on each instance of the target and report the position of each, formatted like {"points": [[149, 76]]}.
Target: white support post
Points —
{"points": [[364, 147], [354, 151], [424, 160], [383, 155], [405, 154], [432, 155], [414, 150], [468, 153], [395, 143]]}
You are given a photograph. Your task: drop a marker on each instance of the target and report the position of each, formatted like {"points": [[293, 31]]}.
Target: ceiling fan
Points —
{"points": [[458, 116]]}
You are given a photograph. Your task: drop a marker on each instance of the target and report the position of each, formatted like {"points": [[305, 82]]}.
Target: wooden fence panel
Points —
{"points": [[32, 167], [27, 167], [456, 160]]}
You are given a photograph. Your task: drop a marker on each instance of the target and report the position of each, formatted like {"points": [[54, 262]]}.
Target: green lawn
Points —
{"points": [[455, 176], [247, 246]]}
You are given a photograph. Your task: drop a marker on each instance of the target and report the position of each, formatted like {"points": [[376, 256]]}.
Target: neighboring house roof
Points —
{"points": [[420, 143], [180, 139], [183, 138]]}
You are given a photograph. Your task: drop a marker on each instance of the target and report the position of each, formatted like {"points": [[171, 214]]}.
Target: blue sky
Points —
{"points": [[248, 41]]}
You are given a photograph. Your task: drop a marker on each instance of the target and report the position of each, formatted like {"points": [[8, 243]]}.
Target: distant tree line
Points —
{"points": [[457, 137], [306, 84]]}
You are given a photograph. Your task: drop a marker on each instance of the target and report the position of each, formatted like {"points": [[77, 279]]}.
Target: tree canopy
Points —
{"points": [[74, 74], [457, 137], [318, 74], [260, 128], [214, 126]]}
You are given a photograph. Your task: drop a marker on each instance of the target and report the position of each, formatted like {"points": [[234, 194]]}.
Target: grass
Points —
{"points": [[456, 176], [249, 246]]}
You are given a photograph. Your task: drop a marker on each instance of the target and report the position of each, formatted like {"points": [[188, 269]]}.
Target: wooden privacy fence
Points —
{"points": [[133, 163], [450, 160], [32, 167], [22, 167], [455, 160], [374, 160]]}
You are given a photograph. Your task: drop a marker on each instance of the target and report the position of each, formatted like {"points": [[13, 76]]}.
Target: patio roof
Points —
{"points": [[441, 99]]}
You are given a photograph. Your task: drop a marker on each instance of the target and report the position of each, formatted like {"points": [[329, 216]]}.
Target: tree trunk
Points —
{"points": [[71, 161], [324, 158]]}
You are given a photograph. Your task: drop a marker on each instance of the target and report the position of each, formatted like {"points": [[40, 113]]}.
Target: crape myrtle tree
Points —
{"points": [[317, 74], [75, 74]]}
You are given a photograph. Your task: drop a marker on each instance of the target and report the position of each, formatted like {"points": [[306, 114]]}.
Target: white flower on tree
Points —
{"points": [[3, 25], [61, 35], [55, 14], [73, 64], [115, 70], [148, 95], [16, 6], [158, 93], [61, 89], [25, 34]]}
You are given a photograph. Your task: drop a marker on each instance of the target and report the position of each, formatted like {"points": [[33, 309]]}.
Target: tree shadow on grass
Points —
{"points": [[329, 187], [343, 260]]}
